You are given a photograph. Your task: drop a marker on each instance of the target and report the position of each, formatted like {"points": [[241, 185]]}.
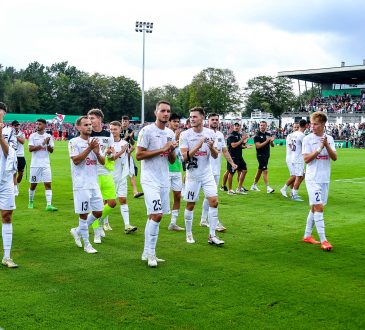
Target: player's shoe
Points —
{"points": [[89, 249], [269, 190], [101, 232], [254, 188], [241, 191], [7, 262], [231, 192], [310, 240], [190, 239], [220, 227], [244, 189], [223, 188], [130, 229], [138, 194], [30, 205], [296, 198], [144, 258], [283, 192], [151, 261], [175, 227], [106, 226], [204, 223], [51, 208], [76, 237], [214, 240], [326, 246]]}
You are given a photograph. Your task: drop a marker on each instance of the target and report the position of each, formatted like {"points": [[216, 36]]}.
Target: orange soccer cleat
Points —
{"points": [[310, 240], [326, 246]]}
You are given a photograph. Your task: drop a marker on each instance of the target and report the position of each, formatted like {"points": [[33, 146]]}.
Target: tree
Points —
{"points": [[22, 97], [216, 90], [270, 94]]}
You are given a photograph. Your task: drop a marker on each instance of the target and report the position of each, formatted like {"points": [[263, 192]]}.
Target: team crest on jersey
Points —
{"points": [[219, 139], [169, 139], [105, 140]]}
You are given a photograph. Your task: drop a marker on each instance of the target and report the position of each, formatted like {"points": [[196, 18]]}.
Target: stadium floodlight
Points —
{"points": [[144, 27]]}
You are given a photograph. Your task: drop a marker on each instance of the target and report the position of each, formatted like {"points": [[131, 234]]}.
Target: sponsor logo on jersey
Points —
{"points": [[201, 153], [322, 157], [89, 161]]}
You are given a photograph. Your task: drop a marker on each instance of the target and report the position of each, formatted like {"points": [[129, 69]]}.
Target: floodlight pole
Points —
{"points": [[144, 27]]}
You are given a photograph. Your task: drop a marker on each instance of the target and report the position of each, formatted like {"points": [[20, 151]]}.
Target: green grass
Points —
{"points": [[263, 278]]}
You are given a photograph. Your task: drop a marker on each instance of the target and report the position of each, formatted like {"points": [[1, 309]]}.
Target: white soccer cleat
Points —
{"points": [[97, 239], [296, 198], [270, 190], [241, 191], [254, 188], [144, 258], [89, 249], [8, 262], [190, 239], [101, 231], [204, 223], [231, 192], [106, 227], [214, 240], [175, 227], [151, 261], [76, 237], [220, 227], [283, 192]]}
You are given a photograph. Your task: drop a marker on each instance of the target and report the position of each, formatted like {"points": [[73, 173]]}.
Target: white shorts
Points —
{"points": [[291, 168], [157, 199], [175, 179], [216, 179], [88, 200], [299, 169], [317, 193], [7, 197], [193, 185], [40, 174], [121, 187]]}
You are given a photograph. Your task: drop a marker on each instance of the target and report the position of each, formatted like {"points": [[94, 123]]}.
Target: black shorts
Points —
{"points": [[241, 165], [21, 164], [263, 161]]}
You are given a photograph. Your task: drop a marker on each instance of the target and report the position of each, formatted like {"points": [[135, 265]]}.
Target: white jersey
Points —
{"points": [[105, 141], [122, 161], [289, 150], [201, 160], [297, 144], [319, 169], [9, 137], [20, 147], [6, 173], [155, 170], [84, 175], [40, 158], [220, 144]]}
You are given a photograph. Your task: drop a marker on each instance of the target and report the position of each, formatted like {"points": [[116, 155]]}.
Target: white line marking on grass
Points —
{"points": [[352, 180]]}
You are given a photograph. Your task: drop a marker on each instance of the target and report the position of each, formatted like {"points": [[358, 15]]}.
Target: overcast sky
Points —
{"points": [[250, 37]]}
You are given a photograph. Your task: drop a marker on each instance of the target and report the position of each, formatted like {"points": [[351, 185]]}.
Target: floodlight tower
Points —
{"points": [[144, 27]]}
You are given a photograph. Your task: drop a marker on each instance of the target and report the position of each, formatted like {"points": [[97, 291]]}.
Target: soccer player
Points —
{"points": [[105, 172], [20, 137], [128, 135], [290, 148], [175, 176], [155, 148], [215, 163], [318, 151], [197, 146], [85, 155], [7, 198], [41, 145], [298, 161], [263, 140], [236, 142], [120, 174]]}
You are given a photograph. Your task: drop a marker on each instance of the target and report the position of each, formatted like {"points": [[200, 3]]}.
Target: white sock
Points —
{"points": [[106, 219], [213, 220], [84, 230], [285, 187], [174, 215], [48, 194], [309, 225], [31, 195], [153, 229], [188, 216], [205, 210], [7, 234], [319, 222], [146, 243], [294, 192], [90, 219], [124, 211]]}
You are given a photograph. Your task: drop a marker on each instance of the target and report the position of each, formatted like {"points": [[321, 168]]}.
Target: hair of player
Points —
{"points": [[174, 116], [319, 116], [41, 120], [162, 102], [96, 112], [263, 121], [115, 123], [213, 114], [236, 124], [3, 106], [302, 123], [198, 109], [125, 118], [79, 120]]}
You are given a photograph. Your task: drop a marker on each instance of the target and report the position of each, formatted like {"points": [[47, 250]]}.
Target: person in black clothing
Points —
{"points": [[128, 135], [263, 141], [235, 143]]}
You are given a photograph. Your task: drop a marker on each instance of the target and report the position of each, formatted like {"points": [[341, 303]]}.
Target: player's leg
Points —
{"points": [[34, 179], [224, 181], [176, 187], [191, 195], [46, 178], [257, 175]]}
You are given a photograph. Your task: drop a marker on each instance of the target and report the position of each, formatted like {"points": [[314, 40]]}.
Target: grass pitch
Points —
{"points": [[264, 277]]}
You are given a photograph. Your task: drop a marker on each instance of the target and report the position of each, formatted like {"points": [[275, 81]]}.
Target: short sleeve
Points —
{"points": [[143, 139]]}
